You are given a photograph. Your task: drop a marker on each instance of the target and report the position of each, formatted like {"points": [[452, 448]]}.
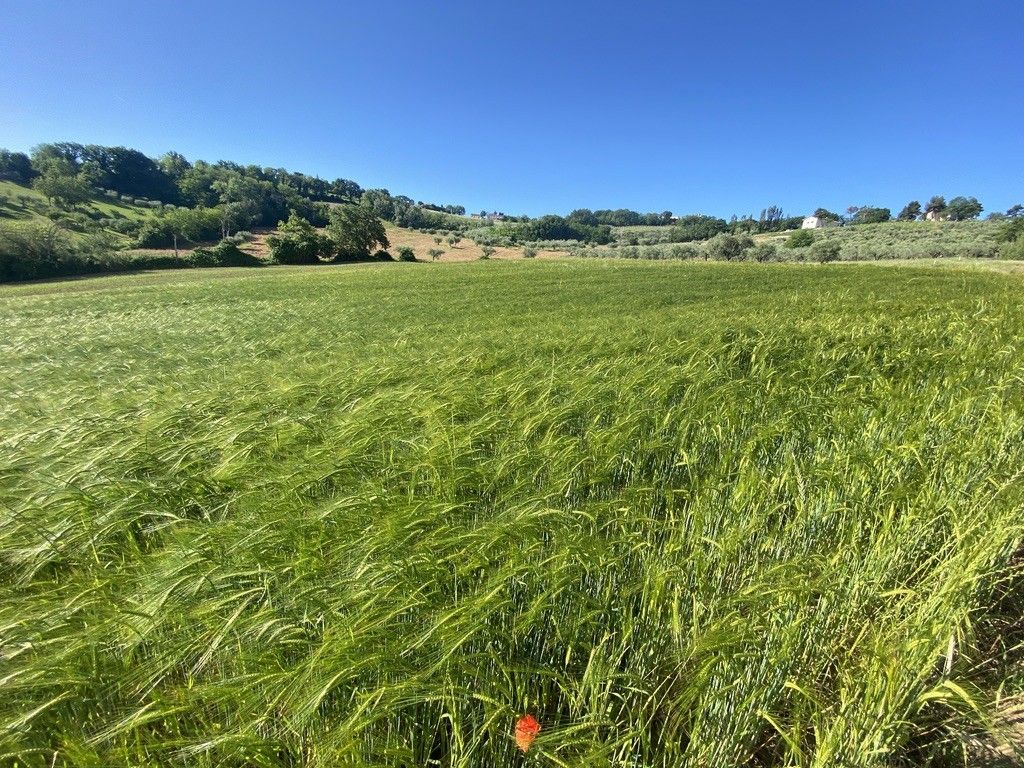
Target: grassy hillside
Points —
{"points": [[466, 250], [862, 242], [24, 203], [685, 515]]}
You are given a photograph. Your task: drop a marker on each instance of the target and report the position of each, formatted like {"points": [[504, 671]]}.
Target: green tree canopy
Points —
{"points": [[871, 215], [963, 208], [356, 232], [61, 189], [15, 166], [188, 223], [936, 205], [297, 242], [910, 212]]}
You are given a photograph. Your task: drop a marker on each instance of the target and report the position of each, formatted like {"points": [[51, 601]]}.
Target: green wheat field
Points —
{"points": [[684, 514]]}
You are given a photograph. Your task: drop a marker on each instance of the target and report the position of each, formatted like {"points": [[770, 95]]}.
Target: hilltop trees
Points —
{"points": [[15, 166], [963, 208], [910, 212], [698, 227], [558, 228], [936, 206], [621, 217], [870, 215]]}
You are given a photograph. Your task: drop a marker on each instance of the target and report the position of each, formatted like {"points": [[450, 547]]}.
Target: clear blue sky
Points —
{"points": [[534, 107]]}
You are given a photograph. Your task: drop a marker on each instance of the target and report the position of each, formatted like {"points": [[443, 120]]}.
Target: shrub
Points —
{"points": [[1014, 250], [297, 242], [529, 252], [405, 253], [486, 252], [825, 251], [800, 239], [1011, 230], [727, 247], [224, 254], [382, 255], [434, 253], [764, 252], [33, 250], [680, 251]]}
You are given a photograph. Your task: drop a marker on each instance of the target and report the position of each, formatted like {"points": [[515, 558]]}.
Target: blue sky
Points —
{"points": [[535, 107]]}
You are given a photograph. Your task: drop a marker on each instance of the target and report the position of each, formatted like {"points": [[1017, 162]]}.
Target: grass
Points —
{"points": [[19, 202], [685, 515]]}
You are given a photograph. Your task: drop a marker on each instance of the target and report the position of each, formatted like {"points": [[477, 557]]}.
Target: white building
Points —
{"points": [[818, 222]]}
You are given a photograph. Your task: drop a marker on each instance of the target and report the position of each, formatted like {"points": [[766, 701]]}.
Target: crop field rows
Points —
{"points": [[683, 514]]}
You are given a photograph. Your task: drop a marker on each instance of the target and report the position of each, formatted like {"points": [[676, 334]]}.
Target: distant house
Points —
{"points": [[934, 216], [818, 222]]}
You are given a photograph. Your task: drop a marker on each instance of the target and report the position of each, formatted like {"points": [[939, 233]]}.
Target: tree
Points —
{"points": [[910, 212], [356, 231], [236, 216], [297, 242], [800, 239], [529, 252], [186, 223], [15, 166], [827, 215], [486, 252], [728, 247], [62, 190], [1011, 230], [345, 189], [62, 158], [1015, 211], [936, 207], [764, 252], [870, 215], [405, 253], [697, 227], [825, 251], [174, 165], [434, 253], [963, 208]]}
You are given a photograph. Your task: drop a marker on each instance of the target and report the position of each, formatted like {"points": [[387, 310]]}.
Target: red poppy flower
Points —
{"points": [[527, 729]]}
